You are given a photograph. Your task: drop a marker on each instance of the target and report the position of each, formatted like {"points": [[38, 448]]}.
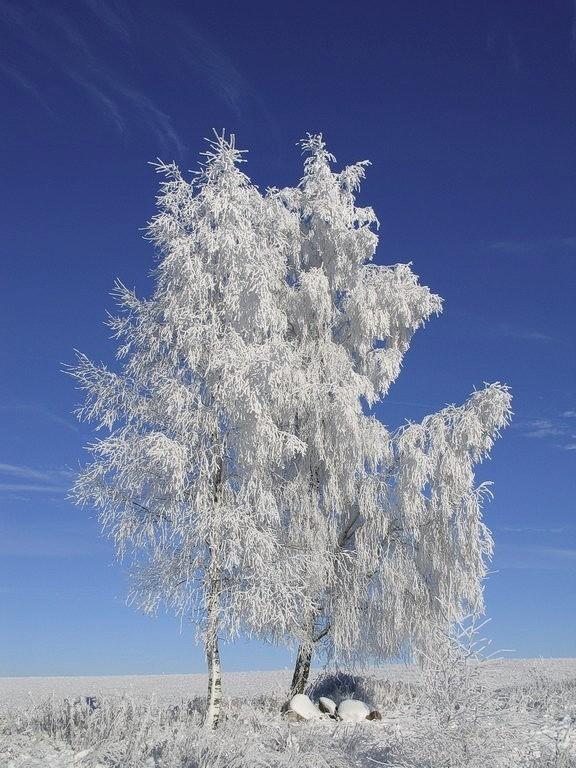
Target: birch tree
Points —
{"points": [[185, 479], [394, 520], [244, 469]]}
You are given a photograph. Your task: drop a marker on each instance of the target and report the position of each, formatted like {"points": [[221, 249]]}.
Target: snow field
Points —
{"points": [[525, 719]]}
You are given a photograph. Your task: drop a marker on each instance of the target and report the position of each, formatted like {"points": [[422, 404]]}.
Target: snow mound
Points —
{"points": [[353, 711], [326, 705], [303, 706]]}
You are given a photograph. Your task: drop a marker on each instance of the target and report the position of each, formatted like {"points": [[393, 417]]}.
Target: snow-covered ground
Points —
{"points": [[525, 717], [171, 689]]}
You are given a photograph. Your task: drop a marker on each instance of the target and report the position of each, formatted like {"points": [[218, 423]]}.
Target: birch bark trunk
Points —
{"points": [[214, 700], [302, 668]]}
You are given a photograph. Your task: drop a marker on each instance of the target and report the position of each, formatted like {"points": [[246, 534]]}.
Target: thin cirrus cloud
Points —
{"points": [[39, 411], [473, 325], [18, 478], [543, 428], [23, 82], [107, 51], [68, 545], [534, 247], [118, 19], [48, 36], [190, 48], [523, 334], [191, 53], [528, 529], [546, 558], [559, 430]]}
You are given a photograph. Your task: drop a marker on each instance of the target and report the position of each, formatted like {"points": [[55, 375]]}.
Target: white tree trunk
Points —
{"points": [[213, 656], [214, 683], [214, 699]]}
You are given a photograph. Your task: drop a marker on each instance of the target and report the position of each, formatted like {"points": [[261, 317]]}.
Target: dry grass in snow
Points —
{"points": [[505, 713]]}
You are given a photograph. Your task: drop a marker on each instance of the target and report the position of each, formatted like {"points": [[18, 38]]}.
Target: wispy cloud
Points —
{"points": [[483, 326], [552, 530], [27, 488], [533, 247], [523, 334], [560, 553], [67, 545], [535, 557], [54, 37], [18, 478], [28, 473], [119, 20], [38, 410], [200, 54], [559, 430], [22, 81], [543, 428], [109, 51], [192, 48]]}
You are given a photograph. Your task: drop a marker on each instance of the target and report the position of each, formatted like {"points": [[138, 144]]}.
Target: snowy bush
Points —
{"points": [[543, 694], [377, 693], [343, 685]]}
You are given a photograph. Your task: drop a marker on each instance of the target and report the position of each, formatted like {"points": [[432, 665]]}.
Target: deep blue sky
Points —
{"points": [[468, 114]]}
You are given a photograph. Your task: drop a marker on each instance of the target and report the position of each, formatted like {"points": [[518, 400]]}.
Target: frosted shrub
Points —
{"points": [[343, 685], [543, 694], [379, 694], [465, 726]]}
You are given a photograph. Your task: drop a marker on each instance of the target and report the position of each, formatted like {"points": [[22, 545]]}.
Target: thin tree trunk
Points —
{"points": [[306, 649], [214, 683], [214, 698], [302, 668]]}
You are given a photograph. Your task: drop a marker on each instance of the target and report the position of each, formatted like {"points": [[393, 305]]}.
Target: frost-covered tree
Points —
{"points": [[393, 520], [186, 478], [243, 468]]}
